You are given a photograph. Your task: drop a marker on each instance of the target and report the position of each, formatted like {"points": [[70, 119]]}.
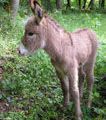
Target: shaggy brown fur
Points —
{"points": [[72, 54]]}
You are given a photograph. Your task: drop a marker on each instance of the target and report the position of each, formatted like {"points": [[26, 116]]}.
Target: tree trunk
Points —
{"points": [[47, 4], [84, 4], [15, 6], [58, 4], [79, 4], [101, 4], [91, 4], [68, 4], [49, 7]]}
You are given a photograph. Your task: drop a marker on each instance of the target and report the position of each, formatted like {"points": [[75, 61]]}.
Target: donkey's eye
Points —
{"points": [[30, 33]]}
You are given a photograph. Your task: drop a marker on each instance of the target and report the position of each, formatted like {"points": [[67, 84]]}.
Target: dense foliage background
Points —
{"points": [[29, 87]]}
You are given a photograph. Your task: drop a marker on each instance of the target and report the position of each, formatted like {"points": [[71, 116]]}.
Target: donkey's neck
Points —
{"points": [[55, 39]]}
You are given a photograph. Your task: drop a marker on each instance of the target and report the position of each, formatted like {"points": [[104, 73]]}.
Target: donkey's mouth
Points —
{"points": [[22, 50]]}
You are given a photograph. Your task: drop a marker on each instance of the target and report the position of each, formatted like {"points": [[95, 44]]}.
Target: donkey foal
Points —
{"points": [[72, 54]]}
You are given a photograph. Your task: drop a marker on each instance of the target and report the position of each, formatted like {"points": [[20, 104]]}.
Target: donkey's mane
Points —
{"points": [[54, 23], [58, 27]]}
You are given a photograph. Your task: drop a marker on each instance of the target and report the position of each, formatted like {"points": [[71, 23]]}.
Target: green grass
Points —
{"points": [[30, 85]]}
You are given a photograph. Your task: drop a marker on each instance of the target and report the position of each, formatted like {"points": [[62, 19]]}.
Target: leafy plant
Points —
{"points": [[30, 85]]}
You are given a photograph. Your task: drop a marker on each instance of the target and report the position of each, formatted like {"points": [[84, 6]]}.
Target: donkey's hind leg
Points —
{"points": [[74, 89], [90, 81], [81, 81]]}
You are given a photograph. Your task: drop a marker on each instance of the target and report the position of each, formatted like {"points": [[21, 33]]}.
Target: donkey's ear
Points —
{"points": [[36, 9]]}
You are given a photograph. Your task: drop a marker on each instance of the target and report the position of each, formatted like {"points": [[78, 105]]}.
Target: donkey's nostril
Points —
{"points": [[18, 51]]}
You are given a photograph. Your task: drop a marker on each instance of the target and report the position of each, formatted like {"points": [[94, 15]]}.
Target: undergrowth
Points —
{"points": [[30, 86]]}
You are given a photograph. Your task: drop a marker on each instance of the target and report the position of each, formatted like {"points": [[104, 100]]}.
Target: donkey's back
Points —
{"points": [[84, 41]]}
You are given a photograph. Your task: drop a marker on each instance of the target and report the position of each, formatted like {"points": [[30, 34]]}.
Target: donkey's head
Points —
{"points": [[34, 36]]}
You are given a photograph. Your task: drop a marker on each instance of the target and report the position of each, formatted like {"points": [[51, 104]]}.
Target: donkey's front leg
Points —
{"points": [[64, 84], [74, 89], [65, 87]]}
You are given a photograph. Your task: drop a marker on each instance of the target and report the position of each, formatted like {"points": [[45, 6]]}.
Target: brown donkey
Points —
{"points": [[72, 53]]}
